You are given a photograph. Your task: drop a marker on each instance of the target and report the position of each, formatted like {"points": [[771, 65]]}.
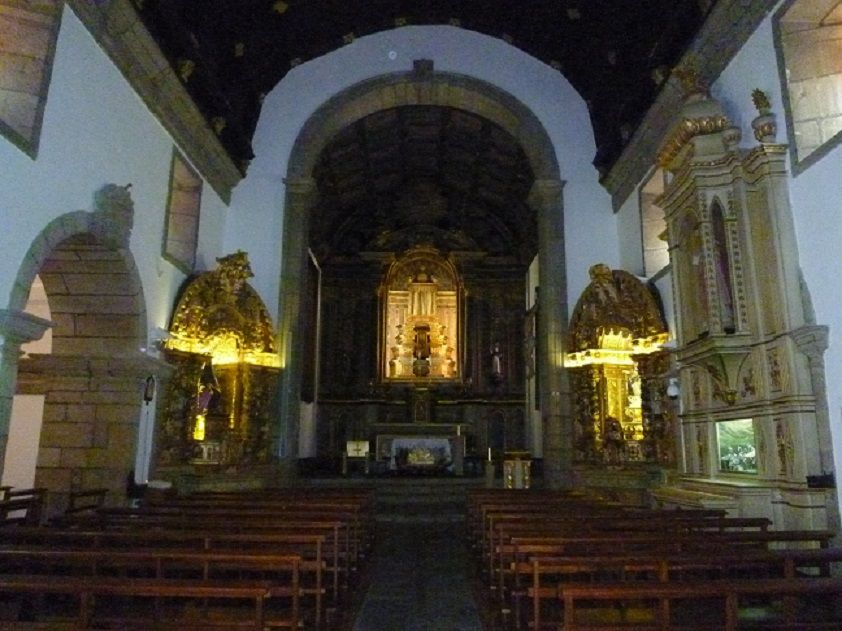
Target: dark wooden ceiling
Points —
{"points": [[616, 53], [423, 175]]}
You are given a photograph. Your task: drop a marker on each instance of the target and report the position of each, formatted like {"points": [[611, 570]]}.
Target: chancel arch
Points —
{"points": [[323, 163]]}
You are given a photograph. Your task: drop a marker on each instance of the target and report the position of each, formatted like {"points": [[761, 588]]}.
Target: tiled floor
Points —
{"points": [[420, 580]]}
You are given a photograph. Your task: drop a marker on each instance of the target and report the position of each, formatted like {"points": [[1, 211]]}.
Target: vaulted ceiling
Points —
{"points": [[423, 175], [230, 53]]}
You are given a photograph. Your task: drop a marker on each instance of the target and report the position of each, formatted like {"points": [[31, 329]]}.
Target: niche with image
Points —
{"points": [[737, 448]]}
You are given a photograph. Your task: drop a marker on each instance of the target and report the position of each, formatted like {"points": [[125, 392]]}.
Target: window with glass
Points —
{"points": [[182, 231], [28, 33], [808, 35]]}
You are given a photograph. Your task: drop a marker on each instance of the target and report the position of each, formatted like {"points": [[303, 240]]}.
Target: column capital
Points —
{"points": [[19, 327], [812, 340], [546, 193]]}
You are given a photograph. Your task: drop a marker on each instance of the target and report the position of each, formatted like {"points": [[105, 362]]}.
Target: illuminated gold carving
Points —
{"points": [[222, 343], [218, 123], [280, 7], [221, 316], [615, 324], [421, 332]]}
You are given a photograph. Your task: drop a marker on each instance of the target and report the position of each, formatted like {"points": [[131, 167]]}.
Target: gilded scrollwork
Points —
{"points": [[615, 300]]}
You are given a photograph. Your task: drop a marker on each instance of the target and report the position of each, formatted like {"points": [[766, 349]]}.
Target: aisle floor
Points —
{"points": [[420, 580]]}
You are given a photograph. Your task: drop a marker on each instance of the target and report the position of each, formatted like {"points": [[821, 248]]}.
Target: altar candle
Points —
{"points": [[489, 454], [458, 430]]}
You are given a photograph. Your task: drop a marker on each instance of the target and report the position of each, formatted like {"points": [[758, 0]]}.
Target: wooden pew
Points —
{"points": [[310, 547], [161, 575], [22, 506], [663, 598], [540, 577], [87, 589], [85, 501], [339, 549]]}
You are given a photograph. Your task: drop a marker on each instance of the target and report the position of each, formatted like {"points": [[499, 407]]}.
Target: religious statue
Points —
{"points": [[613, 442], [496, 363], [422, 294]]}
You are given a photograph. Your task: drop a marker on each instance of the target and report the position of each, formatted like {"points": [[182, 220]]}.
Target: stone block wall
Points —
{"points": [[91, 413]]}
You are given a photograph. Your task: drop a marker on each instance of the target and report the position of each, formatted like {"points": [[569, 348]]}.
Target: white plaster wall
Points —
{"points": [[630, 239], [591, 232], [96, 131]]}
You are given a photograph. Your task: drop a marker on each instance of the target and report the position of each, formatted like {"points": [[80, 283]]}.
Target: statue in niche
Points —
{"points": [[613, 443], [422, 294], [496, 363]]}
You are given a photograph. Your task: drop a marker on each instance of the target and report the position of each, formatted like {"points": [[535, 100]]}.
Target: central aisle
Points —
{"points": [[420, 580]]}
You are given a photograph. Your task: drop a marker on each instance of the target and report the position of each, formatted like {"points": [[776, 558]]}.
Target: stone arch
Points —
{"points": [[92, 381], [441, 89], [482, 99]]}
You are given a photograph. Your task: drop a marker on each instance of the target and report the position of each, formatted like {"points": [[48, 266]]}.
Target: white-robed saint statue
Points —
{"points": [[422, 294]]}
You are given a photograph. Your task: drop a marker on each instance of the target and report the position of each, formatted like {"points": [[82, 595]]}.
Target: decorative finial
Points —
{"points": [[764, 125], [761, 101]]}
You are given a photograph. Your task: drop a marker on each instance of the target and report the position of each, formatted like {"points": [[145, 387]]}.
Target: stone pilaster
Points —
{"points": [[16, 328], [553, 389], [300, 197], [812, 340]]}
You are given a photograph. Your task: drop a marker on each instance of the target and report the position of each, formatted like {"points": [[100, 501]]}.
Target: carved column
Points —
{"points": [[300, 197], [16, 328], [554, 390]]}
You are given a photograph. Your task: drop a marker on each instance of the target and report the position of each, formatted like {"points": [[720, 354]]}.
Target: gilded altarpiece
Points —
{"points": [[745, 333], [422, 343], [421, 301], [218, 404], [618, 372]]}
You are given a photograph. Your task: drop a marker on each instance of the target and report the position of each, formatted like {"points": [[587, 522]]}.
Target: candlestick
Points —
{"points": [[489, 454]]}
